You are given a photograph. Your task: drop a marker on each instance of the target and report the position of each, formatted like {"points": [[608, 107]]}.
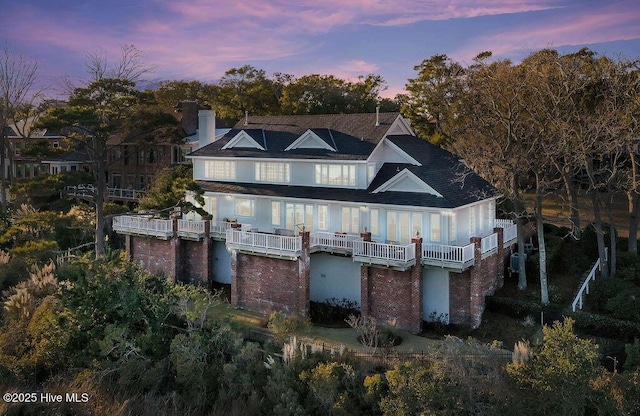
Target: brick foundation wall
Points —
{"points": [[194, 256], [467, 290], [265, 284], [155, 255]]}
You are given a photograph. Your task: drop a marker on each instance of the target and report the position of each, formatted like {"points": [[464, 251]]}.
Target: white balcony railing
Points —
{"points": [[509, 231], [384, 254], [268, 244], [326, 241], [456, 257], [191, 229], [89, 191], [141, 225], [488, 245]]}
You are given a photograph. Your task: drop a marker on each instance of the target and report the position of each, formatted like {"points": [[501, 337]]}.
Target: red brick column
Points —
{"points": [[128, 245], [476, 292], [175, 258], [304, 275], [415, 325], [236, 284], [366, 236], [365, 291], [502, 255]]}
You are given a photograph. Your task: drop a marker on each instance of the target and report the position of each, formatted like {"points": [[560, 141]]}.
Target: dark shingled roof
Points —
{"points": [[355, 136]]}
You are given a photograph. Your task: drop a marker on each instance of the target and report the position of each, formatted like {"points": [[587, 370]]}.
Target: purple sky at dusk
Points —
{"points": [[201, 39]]}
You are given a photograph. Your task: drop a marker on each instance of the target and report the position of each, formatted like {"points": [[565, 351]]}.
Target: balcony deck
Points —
{"points": [[458, 258], [340, 243], [509, 232], [142, 225], [191, 229], [270, 245], [390, 255], [113, 194]]}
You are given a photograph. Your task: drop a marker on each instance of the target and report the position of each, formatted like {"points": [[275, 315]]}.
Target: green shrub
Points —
{"points": [[602, 290], [633, 355], [333, 311], [514, 308], [604, 326], [629, 267], [625, 305]]}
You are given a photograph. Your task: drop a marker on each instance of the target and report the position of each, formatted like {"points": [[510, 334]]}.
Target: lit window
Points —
{"points": [[323, 217], [272, 172], [416, 224], [351, 219], [472, 223], [435, 227], [220, 169], [332, 174], [275, 213], [245, 207], [298, 216], [375, 222]]}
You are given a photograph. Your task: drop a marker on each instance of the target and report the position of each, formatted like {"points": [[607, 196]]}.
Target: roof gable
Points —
{"points": [[388, 152], [400, 126], [311, 140], [243, 140], [406, 181]]}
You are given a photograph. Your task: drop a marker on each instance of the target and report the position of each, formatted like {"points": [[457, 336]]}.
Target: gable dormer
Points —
{"points": [[388, 152], [406, 181], [246, 140], [399, 126], [312, 140]]}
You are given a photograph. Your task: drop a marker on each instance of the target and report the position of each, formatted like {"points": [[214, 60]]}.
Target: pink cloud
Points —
{"points": [[604, 25]]}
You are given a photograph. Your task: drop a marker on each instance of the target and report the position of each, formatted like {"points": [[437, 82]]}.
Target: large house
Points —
{"points": [[309, 208]]}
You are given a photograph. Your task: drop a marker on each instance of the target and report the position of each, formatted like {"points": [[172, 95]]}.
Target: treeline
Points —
{"points": [[561, 123], [251, 89], [133, 343]]}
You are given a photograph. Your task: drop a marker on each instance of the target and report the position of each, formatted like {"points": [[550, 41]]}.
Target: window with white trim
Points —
{"points": [[220, 169], [278, 172], [451, 217], [374, 221], [435, 228], [298, 216], [275, 213], [416, 224], [334, 174], [323, 217], [472, 222], [245, 207], [351, 220]]}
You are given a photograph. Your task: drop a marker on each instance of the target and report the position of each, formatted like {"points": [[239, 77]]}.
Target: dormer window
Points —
{"points": [[246, 140], [220, 169], [314, 139], [274, 172], [335, 174]]}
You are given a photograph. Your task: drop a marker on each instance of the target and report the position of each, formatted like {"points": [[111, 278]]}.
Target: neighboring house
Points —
{"points": [[21, 135], [309, 208], [133, 165]]}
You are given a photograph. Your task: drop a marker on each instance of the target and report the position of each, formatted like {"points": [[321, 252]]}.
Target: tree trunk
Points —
{"points": [[597, 224], [517, 207], [101, 189], [3, 175], [542, 251], [634, 212], [572, 195], [613, 249]]}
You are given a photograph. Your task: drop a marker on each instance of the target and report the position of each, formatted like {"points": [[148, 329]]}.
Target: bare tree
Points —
{"points": [[18, 90]]}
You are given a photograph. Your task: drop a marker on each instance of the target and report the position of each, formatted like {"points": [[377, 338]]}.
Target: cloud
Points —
{"points": [[578, 27]]}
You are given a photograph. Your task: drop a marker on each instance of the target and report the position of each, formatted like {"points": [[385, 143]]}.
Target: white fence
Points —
{"points": [[264, 243], [577, 302], [127, 224], [488, 245], [191, 228], [334, 241], [386, 254], [448, 256], [89, 191]]}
